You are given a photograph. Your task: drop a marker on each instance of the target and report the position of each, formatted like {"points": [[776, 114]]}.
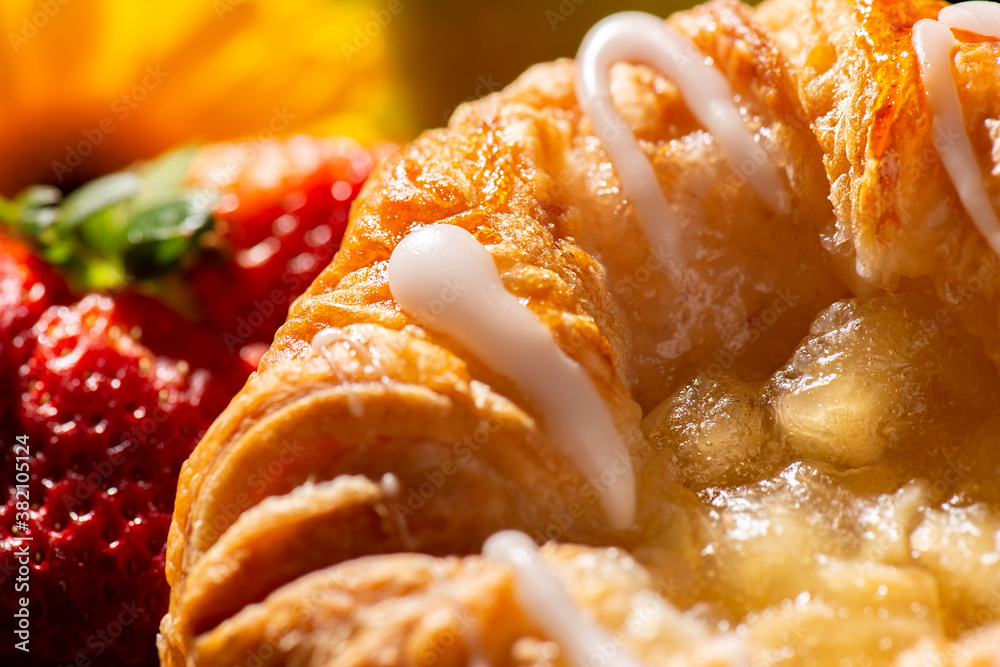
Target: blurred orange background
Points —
{"points": [[90, 86]]}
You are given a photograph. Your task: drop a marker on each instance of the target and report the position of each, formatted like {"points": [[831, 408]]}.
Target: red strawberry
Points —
{"points": [[282, 212], [115, 394], [113, 391], [27, 287], [228, 234]]}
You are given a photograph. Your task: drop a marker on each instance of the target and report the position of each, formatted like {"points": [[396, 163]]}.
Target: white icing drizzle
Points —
{"points": [[391, 488], [981, 18], [321, 343], [643, 38], [390, 485], [544, 600], [932, 43], [443, 277]]}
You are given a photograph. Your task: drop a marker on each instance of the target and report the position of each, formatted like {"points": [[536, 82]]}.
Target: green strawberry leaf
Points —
{"points": [[167, 220], [132, 225], [102, 232], [160, 235], [33, 208], [99, 196], [164, 176]]}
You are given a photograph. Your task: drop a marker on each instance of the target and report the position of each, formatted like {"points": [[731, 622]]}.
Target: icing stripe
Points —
{"points": [[932, 43], [320, 344], [443, 277], [643, 38], [544, 600], [981, 18]]}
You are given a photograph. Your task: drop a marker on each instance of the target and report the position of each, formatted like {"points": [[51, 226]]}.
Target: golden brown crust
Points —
{"points": [[427, 407], [899, 219], [400, 609], [282, 497], [415, 610]]}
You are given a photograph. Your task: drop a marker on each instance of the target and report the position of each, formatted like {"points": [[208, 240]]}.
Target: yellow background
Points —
{"points": [[89, 86]]}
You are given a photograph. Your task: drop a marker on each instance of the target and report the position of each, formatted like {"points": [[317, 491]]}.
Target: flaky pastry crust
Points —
{"points": [[287, 548]]}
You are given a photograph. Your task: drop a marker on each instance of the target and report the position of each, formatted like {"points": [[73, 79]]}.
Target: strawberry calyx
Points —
{"points": [[129, 226]]}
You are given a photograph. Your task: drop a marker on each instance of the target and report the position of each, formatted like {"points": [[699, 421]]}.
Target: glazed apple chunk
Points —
{"points": [[851, 496], [960, 545], [821, 553], [893, 376], [843, 557], [718, 431]]}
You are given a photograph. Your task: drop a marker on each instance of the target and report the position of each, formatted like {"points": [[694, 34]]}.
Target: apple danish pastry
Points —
{"points": [[710, 313]]}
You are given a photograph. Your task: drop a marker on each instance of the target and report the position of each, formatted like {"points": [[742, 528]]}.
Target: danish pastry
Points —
{"points": [[710, 313]]}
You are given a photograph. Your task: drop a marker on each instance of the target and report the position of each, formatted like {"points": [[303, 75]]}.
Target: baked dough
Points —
{"points": [[333, 515]]}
